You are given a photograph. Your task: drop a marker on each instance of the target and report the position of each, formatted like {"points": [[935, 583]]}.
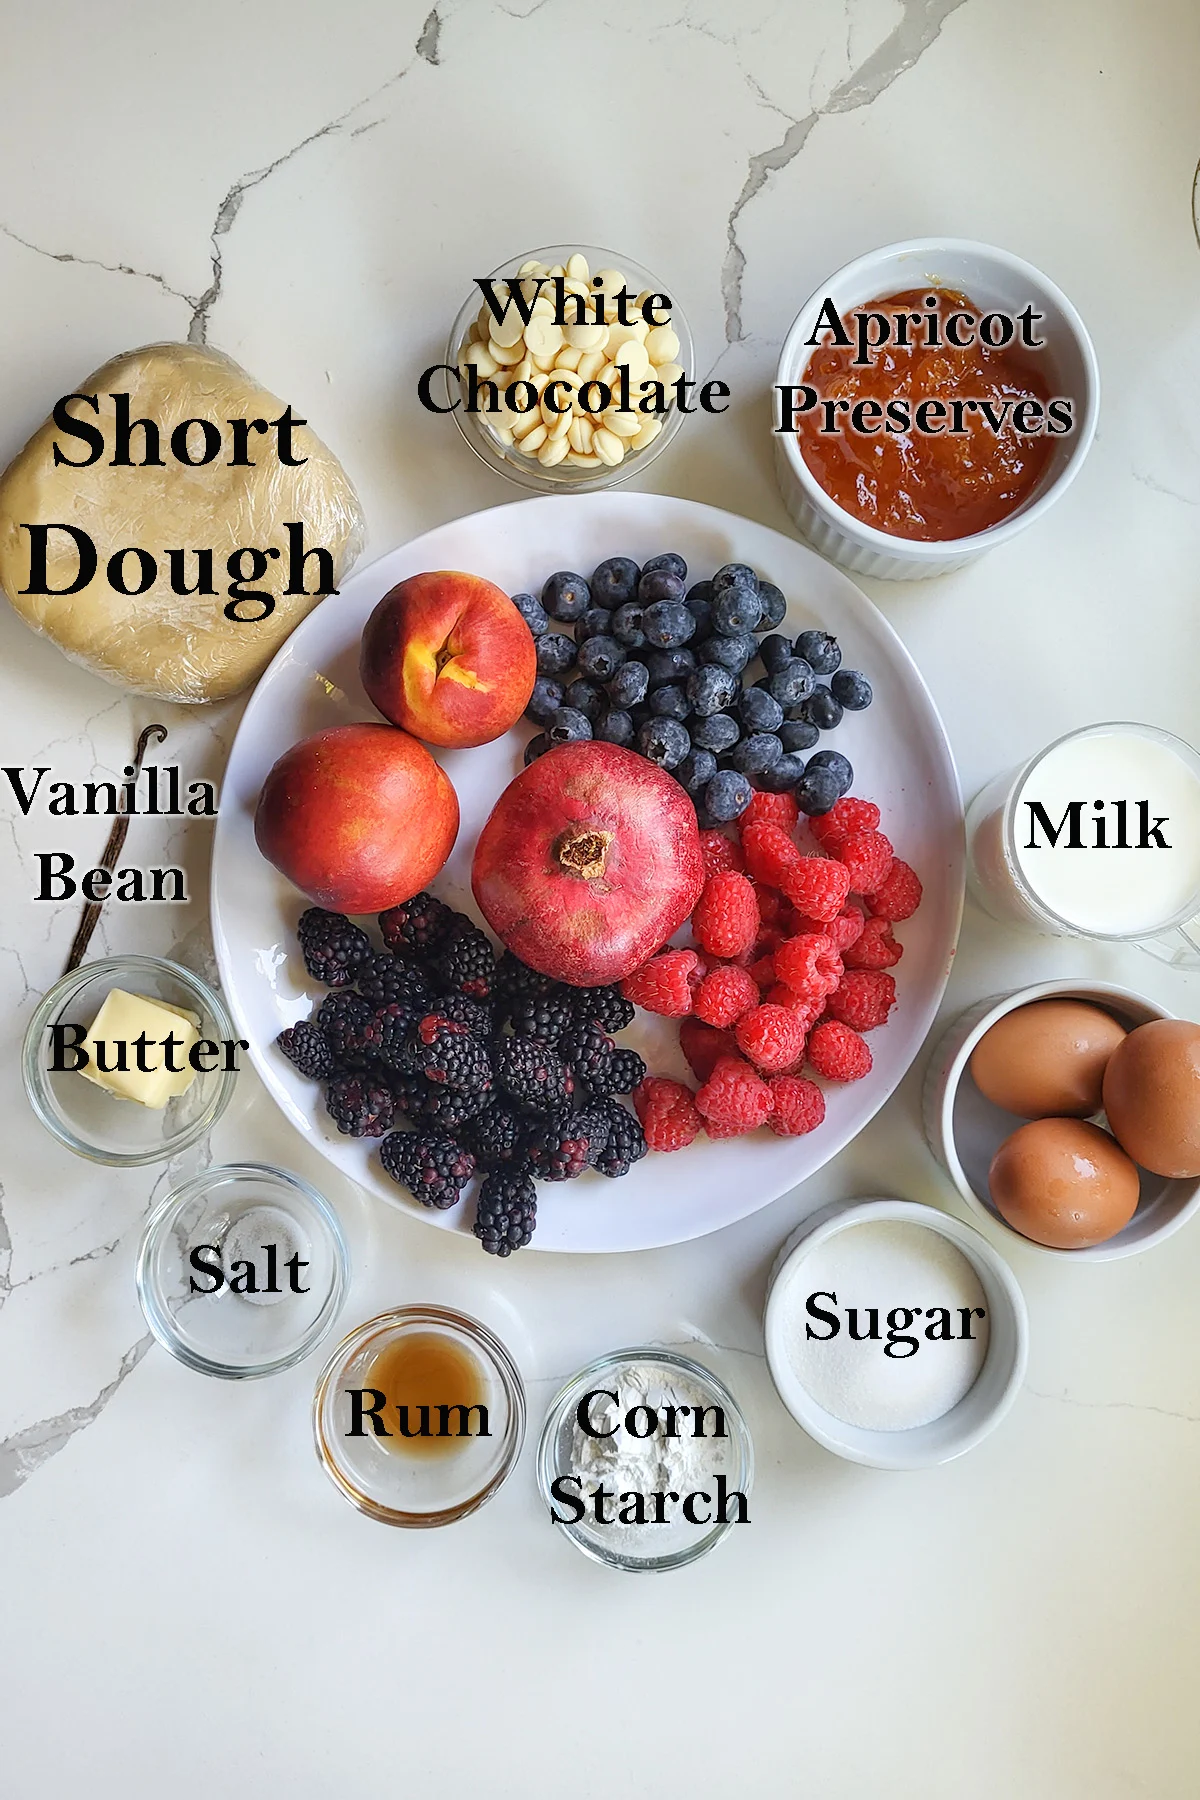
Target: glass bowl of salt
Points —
{"points": [[895, 1334]]}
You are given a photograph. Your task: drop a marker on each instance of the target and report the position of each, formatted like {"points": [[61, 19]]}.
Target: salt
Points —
{"points": [[246, 1241], [887, 1266]]}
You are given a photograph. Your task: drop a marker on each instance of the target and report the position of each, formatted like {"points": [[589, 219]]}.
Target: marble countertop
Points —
{"points": [[187, 1603]]}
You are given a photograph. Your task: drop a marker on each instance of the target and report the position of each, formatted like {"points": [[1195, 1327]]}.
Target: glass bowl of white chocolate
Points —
{"points": [[129, 1060], [573, 369]]}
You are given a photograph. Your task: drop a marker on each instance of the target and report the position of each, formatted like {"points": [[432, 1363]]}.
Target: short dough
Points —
{"points": [[159, 643]]}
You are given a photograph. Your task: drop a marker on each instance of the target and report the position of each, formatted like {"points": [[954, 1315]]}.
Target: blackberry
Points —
{"points": [[360, 1105], [331, 946], [623, 1072], [564, 1145], [386, 980], [603, 1006], [466, 962], [533, 1074], [417, 925], [498, 1137], [391, 1027], [515, 980], [306, 1045], [588, 1050], [347, 1021], [429, 1164], [476, 1015], [448, 1053], [448, 1109], [507, 1212], [625, 1144], [546, 1016], [409, 1092]]}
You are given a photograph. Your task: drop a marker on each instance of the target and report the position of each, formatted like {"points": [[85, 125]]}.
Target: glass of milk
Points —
{"points": [[1097, 836]]}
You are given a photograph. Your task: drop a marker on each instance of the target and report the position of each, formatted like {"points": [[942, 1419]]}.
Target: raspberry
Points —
{"points": [[771, 1036], [762, 970], [799, 1105], [809, 965], [817, 886], [867, 856], [725, 995], [738, 1129], [876, 948], [720, 853], [863, 999], [838, 1053], [770, 853], [735, 1094], [771, 809], [845, 816], [898, 895], [704, 1047], [772, 907], [726, 919], [662, 985], [667, 1111]]}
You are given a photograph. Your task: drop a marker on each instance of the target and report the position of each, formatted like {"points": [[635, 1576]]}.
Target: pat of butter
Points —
{"points": [[111, 1040]]}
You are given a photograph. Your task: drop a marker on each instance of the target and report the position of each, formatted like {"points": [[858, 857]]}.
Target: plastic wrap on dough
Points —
{"points": [[159, 643]]}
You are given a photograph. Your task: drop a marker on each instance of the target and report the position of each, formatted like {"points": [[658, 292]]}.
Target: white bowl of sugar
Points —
{"points": [[895, 1334]]}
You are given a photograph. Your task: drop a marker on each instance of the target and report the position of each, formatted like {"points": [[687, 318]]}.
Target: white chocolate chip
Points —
{"points": [[624, 425], [568, 359], [524, 423], [662, 345], [608, 447], [508, 330], [584, 462], [554, 450], [556, 270], [533, 440], [609, 281], [581, 433], [646, 435], [577, 267], [531, 267], [667, 373], [587, 337], [543, 338], [478, 354], [504, 353], [592, 361], [633, 355]]}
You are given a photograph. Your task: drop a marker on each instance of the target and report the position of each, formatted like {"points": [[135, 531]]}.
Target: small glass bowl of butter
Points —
{"points": [[129, 1060]]}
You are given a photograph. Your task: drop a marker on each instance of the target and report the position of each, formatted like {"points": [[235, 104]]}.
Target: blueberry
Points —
{"points": [[594, 623], [660, 584], [533, 613], [710, 689], [822, 709], [696, 770], [816, 792], [735, 610], [819, 649], [668, 623], [838, 765], [669, 560], [798, 734], [582, 697], [601, 657], [760, 711], [670, 702], [729, 652], [568, 725], [774, 606], [756, 753], [615, 727], [615, 582], [546, 698], [555, 653], [669, 665], [789, 685], [717, 732], [852, 688], [699, 599], [701, 611], [775, 651], [627, 627], [629, 684], [734, 575], [566, 597], [727, 795], [785, 773], [664, 741], [537, 746]]}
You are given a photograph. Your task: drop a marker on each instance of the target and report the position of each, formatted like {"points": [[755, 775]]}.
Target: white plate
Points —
{"points": [[901, 760]]}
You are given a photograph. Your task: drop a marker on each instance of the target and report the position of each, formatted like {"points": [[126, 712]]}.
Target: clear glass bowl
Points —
{"points": [[230, 1217], [648, 1548], [526, 470], [105, 1127], [408, 1490]]}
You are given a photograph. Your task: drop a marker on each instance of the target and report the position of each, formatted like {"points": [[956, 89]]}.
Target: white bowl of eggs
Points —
{"points": [[1069, 1114]]}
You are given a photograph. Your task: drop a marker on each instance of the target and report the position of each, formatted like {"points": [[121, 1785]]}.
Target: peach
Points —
{"points": [[360, 817], [448, 657]]}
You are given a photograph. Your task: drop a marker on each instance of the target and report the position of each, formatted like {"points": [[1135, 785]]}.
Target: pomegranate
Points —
{"points": [[589, 861]]}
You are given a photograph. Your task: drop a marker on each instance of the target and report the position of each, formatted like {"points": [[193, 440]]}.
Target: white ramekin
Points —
{"points": [[994, 280], [965, 1130], [983, 1405]]}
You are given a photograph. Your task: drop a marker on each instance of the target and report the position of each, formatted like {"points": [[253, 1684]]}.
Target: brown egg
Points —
{"points": [[1063, 1183], [1046, 1059], [1152, 1097]]}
